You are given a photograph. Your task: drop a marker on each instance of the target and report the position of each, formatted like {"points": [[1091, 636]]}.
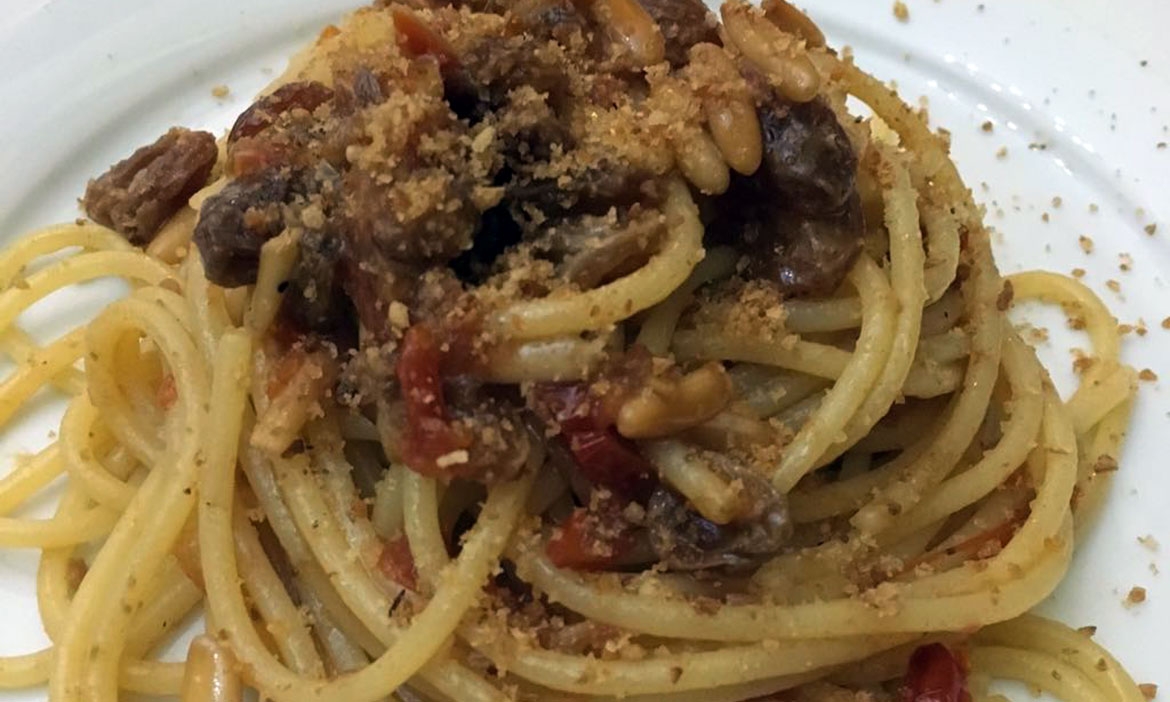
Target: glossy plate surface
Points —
{"points": [[1076, 92]]}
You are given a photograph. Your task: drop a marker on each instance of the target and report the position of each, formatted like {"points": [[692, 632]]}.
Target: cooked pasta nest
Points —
{"points": [[689, 468]]}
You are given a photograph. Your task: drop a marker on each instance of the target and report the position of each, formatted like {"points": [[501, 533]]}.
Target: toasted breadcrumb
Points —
{"points": [[399, 315], [901, 11], [1086, 244], [1147, 375], [1136, 596], [1105, 464], [220, 91], [1148, 690], [1149, 542]]}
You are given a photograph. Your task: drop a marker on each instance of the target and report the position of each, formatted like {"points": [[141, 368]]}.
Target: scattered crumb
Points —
{"points": [[1140, 327], [1149, 542], [399, 315], [1002, 153], [1081, 361], [1147, 375], [220, 91], [901, 11], [1113, 285], [1124, 329], [1045, 217], [1136, 596], [988, 126], [1161, 145], [1087, 631], [1105, 464], [1057, 201], [1149, 690], [1086, 244], [1079, 273], [1035, 335], [1125, 262], [1093, 207], [1151, 229], [1166, 323], [1038, 146]]}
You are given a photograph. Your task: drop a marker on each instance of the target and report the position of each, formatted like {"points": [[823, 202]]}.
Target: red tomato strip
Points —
{"points": [[609, 460], [397, 563], [603, 456], [588, 541], [430, 434], [935, 674]]}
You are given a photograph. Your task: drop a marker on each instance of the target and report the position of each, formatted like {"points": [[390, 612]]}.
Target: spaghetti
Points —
{"points": [[555, 351]]}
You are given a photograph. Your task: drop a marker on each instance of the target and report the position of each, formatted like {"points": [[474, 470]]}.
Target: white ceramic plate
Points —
{"points": [[1077, 91]]}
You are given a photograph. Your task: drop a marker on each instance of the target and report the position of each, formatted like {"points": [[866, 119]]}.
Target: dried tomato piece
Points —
{"points": [[589, 540], [430, 434], [254, 154], [397, 563], [609, 460], [603, 456], [571, 405], [935, 674]]}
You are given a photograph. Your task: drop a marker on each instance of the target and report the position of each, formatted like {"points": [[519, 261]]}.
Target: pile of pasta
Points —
{"points": [[169, 508]]}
